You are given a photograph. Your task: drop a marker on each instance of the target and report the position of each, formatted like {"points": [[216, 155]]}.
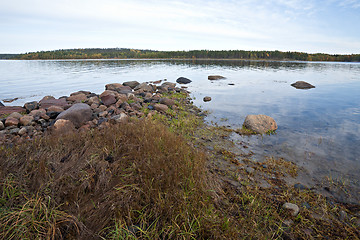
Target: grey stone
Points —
{"points": [[302, 85], [250, 170], [293, 208], [260, 123], [183, 80], [1, 125], [14, 131], [78, 114], [22, 131]]}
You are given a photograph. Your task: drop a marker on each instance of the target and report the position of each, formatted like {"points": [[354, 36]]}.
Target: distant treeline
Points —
{"points": [[124, 53]]}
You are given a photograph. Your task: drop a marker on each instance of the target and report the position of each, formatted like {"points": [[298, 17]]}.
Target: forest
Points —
{"points": [[126, 53]]}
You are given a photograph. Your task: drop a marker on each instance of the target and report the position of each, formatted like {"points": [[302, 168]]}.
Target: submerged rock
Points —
{"points": [[78, 114], [215, 77], [183, 80], [302, 85], [260, 123]]}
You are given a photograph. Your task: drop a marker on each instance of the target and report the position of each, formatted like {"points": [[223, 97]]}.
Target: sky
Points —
{"points": [[313, 26]]}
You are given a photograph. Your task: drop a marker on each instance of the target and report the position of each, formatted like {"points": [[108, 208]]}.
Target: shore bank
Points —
{"points": [[248, 199]]}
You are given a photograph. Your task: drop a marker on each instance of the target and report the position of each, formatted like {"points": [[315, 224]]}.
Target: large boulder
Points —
{"points": [[131, 84], [302, 85], [260, 123], [78, 114], [215, 77], [183, 80]]}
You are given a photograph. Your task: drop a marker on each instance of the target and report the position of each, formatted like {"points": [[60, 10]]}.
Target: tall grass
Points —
{"points": [[135, 180]]}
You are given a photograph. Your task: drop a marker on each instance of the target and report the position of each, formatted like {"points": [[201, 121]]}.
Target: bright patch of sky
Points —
{"points": [[331, 26]]}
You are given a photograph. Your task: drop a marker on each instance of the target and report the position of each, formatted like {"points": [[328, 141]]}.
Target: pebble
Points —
{"points": [[250, 170], [293, 208]]}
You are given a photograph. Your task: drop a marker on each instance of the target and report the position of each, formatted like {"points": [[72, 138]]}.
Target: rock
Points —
{"points": [[63, 126], [52, 114], [299, 186], [47, 98], [122, 117], [113, 86], [37, 112], [302, 85], [249, 170], [55, 109], [31, 106], [15, 115], [161, 107], [293, 208], [108, 99], [131, 84], [22, 131], [103, 114], [80, 92], [260, 123], [10, 121], [167, 101], [78, 114], [215, 77], [183, 80], [207, 99], [1, 125], [168, 84], [102, 108], [109, 92], [144, 87], [61, 102], [342, 215], [1, 105], [78, 98], [9, 100], [26, 120], [93, 100], [14, 131]]}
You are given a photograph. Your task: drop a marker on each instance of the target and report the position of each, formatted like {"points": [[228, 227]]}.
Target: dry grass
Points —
{"points": [[136, 179]]}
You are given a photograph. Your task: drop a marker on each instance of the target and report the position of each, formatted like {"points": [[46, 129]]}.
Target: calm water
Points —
{"points": [[318, 128]]}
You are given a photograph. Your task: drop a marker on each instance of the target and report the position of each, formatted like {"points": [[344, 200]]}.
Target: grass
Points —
{"points": [[146, 179]]}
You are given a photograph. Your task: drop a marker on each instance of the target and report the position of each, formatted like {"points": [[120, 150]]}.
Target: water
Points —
{"points": [[319, 128]]}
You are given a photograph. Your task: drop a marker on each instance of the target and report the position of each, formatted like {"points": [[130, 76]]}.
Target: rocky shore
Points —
{"points": [[245, 189], [84, 110]]}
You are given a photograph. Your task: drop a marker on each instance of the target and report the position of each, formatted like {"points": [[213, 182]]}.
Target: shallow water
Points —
{"points": [[318, 128]]}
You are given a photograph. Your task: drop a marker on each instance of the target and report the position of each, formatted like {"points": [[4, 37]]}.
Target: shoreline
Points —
{"points": [[172, 106]]}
